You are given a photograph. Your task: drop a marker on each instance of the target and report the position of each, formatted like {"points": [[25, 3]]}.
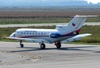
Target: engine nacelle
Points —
{"points": [[54, 35]]}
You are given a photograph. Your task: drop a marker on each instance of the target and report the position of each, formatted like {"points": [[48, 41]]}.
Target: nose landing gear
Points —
{"points": [[21, 45]]}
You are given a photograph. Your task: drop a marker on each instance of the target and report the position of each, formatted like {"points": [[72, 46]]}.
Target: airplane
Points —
{"points": [[61, 34]]}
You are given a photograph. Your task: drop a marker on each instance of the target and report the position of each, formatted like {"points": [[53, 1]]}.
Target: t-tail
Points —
{"points": [[75, 24]]}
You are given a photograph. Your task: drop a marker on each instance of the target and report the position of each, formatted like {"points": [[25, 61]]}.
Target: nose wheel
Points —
{"points": [[21, 45]]}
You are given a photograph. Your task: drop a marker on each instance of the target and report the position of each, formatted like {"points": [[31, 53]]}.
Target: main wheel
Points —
{"points": [[58, 45], [21, 45], [42, 46]]}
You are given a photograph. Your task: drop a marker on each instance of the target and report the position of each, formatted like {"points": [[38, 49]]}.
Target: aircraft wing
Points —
{"points": [[30, 39], [76, 38]]}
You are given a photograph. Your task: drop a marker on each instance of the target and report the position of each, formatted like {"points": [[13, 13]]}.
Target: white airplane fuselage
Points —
{"points": [[47, 34]]}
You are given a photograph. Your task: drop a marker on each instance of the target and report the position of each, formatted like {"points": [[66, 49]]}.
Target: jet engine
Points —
{"points": [[54, 35]]}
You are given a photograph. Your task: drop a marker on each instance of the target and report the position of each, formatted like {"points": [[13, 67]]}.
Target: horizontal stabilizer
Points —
{"points": [[76, 38], [86, 16]]}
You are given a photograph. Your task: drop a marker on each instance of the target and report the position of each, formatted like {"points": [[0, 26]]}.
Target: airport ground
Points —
{"points": [[69, 56]]}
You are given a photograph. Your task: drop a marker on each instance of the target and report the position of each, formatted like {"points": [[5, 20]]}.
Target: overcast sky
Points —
{"points": [[18, 1], [33, 2]]}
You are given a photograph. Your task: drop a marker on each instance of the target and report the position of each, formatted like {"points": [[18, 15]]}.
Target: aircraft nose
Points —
{"points": [[13, 34]]}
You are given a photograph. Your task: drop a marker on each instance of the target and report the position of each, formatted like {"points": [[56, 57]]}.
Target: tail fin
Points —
{"points": [[77, 22]]}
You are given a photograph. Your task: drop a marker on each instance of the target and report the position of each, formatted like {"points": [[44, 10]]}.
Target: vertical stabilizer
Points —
{"points": [[77, 22]]}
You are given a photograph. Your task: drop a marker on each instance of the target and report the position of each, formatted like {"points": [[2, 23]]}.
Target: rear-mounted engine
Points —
{"points": [[54, 35]]}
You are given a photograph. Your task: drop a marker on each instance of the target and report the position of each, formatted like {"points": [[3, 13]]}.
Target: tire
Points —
{"points": [[42, 46], [21, 45], [58, 46]]}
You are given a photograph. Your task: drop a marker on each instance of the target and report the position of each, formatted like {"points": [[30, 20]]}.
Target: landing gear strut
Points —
{"points": [[21, 45], [42, 46], [58, 45]]}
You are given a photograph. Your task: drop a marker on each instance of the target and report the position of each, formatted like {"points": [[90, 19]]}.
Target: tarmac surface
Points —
{"points": [[43, 24], [31, 56]]}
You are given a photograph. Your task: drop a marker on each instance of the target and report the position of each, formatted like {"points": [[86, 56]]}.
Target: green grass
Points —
{"points": [[41, 20], [94, 30]]}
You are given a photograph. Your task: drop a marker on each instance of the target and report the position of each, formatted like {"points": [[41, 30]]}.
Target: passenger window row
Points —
{"points": [[31, 33]]}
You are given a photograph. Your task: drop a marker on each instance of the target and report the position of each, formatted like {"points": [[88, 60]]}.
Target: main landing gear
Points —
{"points": [[42, 46], [21, 45], [58, 45]]}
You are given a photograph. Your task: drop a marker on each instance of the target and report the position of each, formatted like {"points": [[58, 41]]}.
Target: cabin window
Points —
{"points": [[41, 33], [18, 32], [35, 33]]}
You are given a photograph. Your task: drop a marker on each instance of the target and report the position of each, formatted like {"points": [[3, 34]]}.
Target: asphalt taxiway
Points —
{"points": [[44, 24], [31, 56]]}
